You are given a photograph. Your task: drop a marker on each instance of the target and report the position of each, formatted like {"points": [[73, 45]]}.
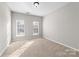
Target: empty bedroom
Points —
{"points": [[39, 29]]}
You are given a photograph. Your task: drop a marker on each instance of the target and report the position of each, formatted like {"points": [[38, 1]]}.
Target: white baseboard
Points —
{"points": [[3, 51], [62, 44]]}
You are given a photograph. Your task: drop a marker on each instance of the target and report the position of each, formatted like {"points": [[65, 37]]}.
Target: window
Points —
{"points": [[35, 28], [19, 27]]}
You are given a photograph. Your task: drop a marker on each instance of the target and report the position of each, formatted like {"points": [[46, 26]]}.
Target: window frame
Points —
{"points": [[37, 24], [20, 28]]}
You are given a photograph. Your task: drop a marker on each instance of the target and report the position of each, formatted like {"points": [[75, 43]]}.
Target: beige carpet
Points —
{"points": [[38, 48]]}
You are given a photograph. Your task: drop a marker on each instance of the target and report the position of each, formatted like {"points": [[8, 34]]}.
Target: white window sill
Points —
{"points": [[35, 34], [19, 35]]}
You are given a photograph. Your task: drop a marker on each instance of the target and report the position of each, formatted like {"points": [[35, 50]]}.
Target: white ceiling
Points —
{"points": [[28, 7]]}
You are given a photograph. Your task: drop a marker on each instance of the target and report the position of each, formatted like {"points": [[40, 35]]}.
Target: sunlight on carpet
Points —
{"points": [[21, 50]]}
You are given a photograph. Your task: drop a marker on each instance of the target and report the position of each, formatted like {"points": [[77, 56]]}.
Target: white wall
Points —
{"points": [[63, 25], [5, 19], [28, 19]]}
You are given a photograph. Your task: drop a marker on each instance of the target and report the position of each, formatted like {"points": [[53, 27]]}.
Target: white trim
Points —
{"points": [[61, 44]]}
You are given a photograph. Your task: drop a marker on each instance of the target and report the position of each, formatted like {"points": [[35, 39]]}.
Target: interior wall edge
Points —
{"points": [[3, 51], [61, 43]]}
